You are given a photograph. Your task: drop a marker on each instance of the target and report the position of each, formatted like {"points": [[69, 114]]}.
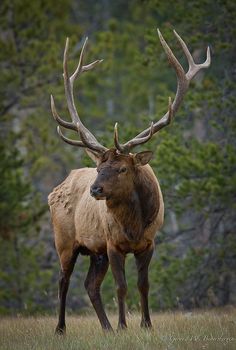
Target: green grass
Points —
{"points": [[215, 329]]}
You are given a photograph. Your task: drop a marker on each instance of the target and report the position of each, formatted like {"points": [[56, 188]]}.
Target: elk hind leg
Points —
{"points": [[67, 259], [97, 270], [117, 262], [142, 262]]}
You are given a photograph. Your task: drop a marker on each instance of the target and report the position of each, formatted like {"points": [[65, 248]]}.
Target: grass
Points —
{"points": [[214, 329]]}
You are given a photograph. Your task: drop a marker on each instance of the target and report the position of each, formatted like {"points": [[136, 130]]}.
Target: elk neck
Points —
{"points": [[136, 210]]}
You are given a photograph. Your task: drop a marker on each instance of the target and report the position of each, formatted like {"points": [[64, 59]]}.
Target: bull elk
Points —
{"points": [[115, 208]]}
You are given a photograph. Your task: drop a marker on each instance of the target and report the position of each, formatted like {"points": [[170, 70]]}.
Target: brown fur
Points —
{"points": [[125, 220], [81, 220]]}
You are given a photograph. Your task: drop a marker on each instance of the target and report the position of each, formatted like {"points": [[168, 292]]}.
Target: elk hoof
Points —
{"points": [[60, 330], [121, 327], [108, 330], [146, 324]]}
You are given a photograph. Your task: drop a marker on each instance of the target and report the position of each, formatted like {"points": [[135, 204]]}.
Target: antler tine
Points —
{"points": [[170, 111], [80, 64], [183, 81], [116, 139], [171, 57], [193, 67], [132, 143], [142, 140], [125, 148], [68, 82], [60, 121], [89, 144], [186, 50], [88, 139], [80, 68], [67, 140]]}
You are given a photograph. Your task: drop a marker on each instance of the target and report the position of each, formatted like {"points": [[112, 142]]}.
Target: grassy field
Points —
{"points": [[215, 329]]}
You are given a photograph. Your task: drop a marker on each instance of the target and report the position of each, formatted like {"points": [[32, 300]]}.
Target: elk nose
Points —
{"points": [[95, 190]]}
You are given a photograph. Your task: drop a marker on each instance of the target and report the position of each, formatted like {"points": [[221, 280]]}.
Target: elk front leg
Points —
{"points": [[67, 265], [142, 262], [97, 270], [117, 262]]}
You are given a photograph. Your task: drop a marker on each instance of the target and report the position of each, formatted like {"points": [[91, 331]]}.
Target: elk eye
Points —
{"points": [[123, 169]]}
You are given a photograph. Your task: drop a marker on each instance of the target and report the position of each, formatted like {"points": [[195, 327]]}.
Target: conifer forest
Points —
{"points": [[194, 264]]}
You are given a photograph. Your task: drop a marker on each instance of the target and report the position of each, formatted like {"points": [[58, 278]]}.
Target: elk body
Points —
{"points": [[115, 208]]}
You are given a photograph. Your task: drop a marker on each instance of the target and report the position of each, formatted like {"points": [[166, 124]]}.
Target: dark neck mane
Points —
{"points": [[135, 212]]}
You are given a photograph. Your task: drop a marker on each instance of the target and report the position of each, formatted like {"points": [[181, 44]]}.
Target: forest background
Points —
{"points": [[194, 264]]}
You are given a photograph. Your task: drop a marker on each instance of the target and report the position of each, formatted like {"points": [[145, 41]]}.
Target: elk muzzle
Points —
{"points": [[96, 191]]}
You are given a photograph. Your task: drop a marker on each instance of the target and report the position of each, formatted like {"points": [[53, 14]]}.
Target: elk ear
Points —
{"points": [[95, 156], [142, 158]]}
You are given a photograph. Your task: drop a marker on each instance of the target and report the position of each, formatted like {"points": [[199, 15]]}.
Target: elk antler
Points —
{"points": [[183, 81], [88, 140]]}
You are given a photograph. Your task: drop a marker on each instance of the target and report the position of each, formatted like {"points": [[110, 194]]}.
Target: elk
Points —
{"points": [[116, 208]]}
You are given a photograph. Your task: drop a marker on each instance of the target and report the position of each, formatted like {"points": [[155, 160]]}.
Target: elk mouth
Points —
{"points": [[98, 197]]}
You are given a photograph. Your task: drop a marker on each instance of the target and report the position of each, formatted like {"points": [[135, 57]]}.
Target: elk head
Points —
{"points": [[116, 174], [117, 167]]}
